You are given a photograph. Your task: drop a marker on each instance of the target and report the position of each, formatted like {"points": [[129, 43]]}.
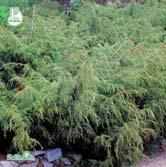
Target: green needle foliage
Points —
{"points": [[4, 14], [95, 81]]}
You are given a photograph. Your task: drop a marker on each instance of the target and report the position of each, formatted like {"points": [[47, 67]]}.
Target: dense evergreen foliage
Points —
{"points": [[95, 81]]}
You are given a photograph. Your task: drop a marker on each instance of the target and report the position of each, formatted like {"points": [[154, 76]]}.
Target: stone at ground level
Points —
{"points": [[163, 142], [66, 161], [3, 157], [29, 165], [47, 164], [38, 153], [163, 145], [157, 160], [76, 157], [8, 164], [53, 154]]}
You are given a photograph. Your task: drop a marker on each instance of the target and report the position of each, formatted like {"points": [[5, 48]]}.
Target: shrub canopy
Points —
{"points": [[95, 81]]}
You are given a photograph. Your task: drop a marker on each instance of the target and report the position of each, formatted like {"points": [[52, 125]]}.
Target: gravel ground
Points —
{"points": [[158, 160]]}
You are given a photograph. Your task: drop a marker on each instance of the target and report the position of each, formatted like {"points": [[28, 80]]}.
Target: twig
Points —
{"points": [[32, 24], [45, 30]]}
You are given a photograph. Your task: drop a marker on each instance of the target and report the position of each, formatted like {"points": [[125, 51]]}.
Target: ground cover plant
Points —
{"points": [[94, 81]]}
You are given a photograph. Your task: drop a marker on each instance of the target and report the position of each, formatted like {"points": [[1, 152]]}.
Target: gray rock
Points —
{"points": [[29, 165], [8, 164], [53, 154], [38, 153], [56, 163], [163, 142], [66, 161], [163, 145], [47, 164], [76, 157]]}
